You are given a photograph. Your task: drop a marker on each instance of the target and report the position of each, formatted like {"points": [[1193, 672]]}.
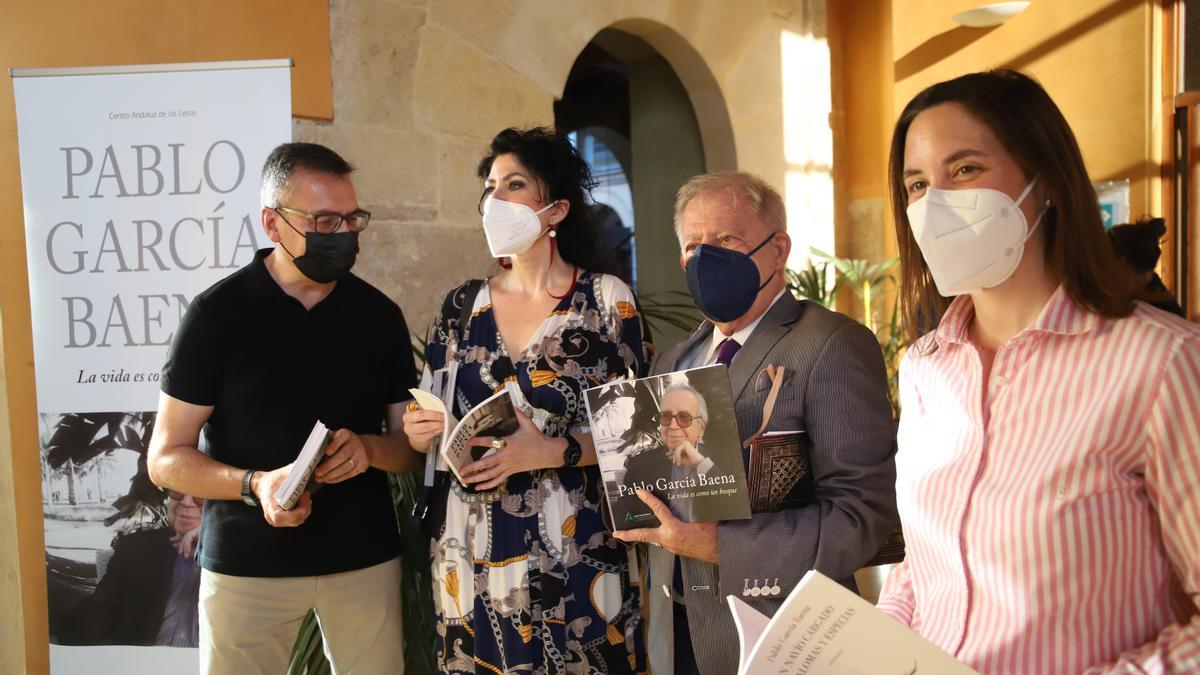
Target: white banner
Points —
{"points": [[141, 189]]}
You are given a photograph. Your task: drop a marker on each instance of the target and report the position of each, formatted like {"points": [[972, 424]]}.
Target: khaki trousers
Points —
{"points": [[248, 625]]}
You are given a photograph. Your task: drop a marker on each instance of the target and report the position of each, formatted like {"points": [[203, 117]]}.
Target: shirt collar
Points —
{"points": [[258, 279], [740, 335], [1060, 316]]}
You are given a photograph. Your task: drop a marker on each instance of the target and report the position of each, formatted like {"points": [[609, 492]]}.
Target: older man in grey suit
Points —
{"points": [[732, 230]]}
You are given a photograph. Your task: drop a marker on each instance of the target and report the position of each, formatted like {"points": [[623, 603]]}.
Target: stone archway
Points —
{"points": [[624, 93], [708, 103]]}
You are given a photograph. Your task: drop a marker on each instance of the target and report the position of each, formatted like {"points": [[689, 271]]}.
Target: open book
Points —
{"points": [[297, 479], [495, 416], [824, 629], [675, 436]]}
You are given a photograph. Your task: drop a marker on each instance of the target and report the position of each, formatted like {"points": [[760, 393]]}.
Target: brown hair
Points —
{"points": [[1033, 130]]}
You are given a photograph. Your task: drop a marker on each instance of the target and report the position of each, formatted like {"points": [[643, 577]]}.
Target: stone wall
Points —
{"points": [[420, 87]]}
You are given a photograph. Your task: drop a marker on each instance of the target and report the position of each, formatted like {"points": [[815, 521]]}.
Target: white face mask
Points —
{"points": [[511, 228], [971, 239]]}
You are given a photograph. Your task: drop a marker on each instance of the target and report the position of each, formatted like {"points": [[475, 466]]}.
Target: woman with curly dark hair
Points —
{"points": [[1137, 248], [526, 575]]}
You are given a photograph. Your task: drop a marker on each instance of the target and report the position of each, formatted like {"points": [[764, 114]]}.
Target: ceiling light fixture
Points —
{"points": [[994, 14]]}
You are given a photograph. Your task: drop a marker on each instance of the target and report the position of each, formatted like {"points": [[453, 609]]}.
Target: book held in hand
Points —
{"points": [[298, 479], [495, 416], [675, 436], [824, 629]]}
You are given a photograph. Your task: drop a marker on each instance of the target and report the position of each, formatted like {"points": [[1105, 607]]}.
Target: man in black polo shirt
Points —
{"points": [[259, 357]]}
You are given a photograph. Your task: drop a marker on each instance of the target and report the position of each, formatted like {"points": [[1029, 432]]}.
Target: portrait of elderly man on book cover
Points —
{"points": [[674, 436]]}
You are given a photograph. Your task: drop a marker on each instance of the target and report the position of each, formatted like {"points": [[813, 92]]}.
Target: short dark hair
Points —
{"points": [[1033, 130], [563, 175], [1138, 242], [287, 158]]}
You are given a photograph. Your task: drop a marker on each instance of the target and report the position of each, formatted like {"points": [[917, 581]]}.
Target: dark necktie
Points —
{"points": [[727, 350]]}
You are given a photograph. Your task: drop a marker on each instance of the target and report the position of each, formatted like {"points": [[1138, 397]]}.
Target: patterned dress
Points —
{"points": [[527, 578]]}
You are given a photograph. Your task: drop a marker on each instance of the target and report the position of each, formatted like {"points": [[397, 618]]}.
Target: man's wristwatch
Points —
{"points": [[573, 453], [248, 494]]}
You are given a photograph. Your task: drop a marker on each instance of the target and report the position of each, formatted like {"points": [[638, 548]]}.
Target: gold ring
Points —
{"points": [[351, 462], [413, 406], [499, 443]]}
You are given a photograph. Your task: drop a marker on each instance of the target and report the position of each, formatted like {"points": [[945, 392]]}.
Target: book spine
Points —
{"points": [[294, 497]]}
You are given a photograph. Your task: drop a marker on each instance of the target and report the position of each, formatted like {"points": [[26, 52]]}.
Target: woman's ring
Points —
{"points": [[499, 443]]}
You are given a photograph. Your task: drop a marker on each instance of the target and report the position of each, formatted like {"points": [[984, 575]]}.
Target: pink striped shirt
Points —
{"points": [[1054, 527]]}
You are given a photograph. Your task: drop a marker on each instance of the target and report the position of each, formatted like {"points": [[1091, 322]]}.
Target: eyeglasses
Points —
{"points": [[682, 419], [328, 223]]}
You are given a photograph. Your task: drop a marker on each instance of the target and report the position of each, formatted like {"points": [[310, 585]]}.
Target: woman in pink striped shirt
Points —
{"points": [[1048, 475]]}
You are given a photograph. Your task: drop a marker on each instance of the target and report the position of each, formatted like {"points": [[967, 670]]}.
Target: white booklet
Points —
{"points": [[495, 416], [297, 480], [824, 629]]}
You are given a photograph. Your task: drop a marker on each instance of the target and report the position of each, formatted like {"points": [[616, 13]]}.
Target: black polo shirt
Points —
{"points": [[270, 369]]}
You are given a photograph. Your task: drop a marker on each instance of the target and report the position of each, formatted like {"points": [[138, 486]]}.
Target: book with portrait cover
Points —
{"points": [[674, 435]]}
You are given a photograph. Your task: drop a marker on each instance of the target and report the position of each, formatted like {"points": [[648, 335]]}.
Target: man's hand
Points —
{"points": [[264, 484], [691, 540], [421, 426], [345, 457]]}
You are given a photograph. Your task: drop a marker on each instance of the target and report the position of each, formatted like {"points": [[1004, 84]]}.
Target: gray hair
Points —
{"points": [[762, 199], [287, 158], [700, 404]]}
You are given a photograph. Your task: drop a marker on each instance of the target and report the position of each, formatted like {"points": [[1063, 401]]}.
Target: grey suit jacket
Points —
{"points": [[835, 389]]}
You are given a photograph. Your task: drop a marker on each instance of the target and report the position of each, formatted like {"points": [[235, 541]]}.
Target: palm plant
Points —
{"points": [[813, 282], [863, 277], [673, 308], [80, 438], [867, 280]]}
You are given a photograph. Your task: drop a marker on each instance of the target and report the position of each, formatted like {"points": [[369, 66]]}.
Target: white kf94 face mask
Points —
{"points": [[972, 238], [511, 228]]}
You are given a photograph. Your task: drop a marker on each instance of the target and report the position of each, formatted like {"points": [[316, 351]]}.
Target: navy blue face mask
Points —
{"points": [[724, 282]]}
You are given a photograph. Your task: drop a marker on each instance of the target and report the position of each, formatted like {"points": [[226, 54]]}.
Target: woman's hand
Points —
{"points": [[421, 426], [525, 450]]}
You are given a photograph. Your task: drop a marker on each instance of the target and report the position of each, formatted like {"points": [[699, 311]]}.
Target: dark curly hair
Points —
{"points": [[561, 174], [1138, 243]]}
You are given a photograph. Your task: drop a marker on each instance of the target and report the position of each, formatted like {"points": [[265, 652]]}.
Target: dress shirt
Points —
{"points": [[1052, 514], [709, 351], [714, 343]]}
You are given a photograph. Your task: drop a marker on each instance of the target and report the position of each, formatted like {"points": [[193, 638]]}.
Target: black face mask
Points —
{"points": [[327, 257], [724, 282]]}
